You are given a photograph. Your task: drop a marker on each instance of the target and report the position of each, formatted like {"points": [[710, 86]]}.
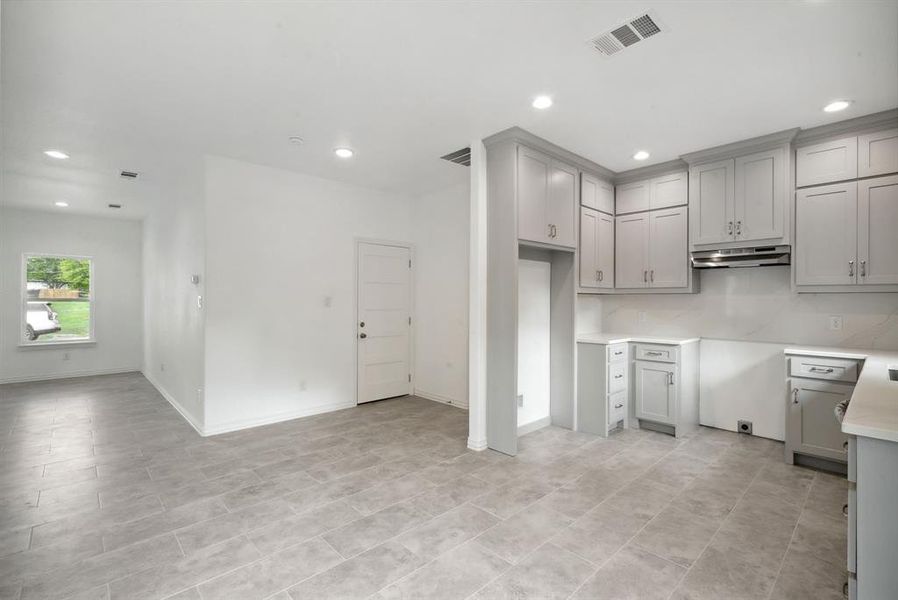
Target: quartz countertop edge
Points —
{"points": [[873, 410], [614, 338]]}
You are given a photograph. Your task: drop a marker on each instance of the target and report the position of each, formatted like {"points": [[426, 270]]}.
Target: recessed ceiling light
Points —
{"points": [[56, 154], [343, 152], [641, 155], [295, 139], [542, 102], [61, 204], [837, 105]]}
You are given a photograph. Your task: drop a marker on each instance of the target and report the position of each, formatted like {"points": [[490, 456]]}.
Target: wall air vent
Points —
{"points": [[129, 174], [459, 157], [114, 205], [632, 32]]}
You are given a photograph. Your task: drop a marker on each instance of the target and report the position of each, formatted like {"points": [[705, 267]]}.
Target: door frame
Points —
{"points": [[357, 243]]}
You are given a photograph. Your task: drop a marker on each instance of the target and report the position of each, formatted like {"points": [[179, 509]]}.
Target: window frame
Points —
{"points": [[23, 303]]}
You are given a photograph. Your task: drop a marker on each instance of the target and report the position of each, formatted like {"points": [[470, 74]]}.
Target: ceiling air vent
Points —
{"points": [[129, 174], [459, 157], [633, 31]]}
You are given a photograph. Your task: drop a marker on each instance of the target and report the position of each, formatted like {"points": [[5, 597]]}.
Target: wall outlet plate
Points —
{"points": [[743, 427]]}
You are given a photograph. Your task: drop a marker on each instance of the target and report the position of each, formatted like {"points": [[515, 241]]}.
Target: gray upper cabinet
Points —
{"points": [[826, 162], [711, 202], [547, 199], [633, 197], [596, 249], [877, 153], [877, 239], [668, 262], [740, 200], [760, 197], [669, 190], [631, 251], [596, 193], [826, 235]]}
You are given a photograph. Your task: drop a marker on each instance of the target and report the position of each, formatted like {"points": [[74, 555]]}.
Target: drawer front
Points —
{"points": [[656, 352], [831, 369], [617, 377], [617, 407], [852, 528], [617, 352]]}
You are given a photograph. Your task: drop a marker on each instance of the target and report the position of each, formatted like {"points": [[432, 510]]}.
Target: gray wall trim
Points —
{"points": [[517, 134], [873, 122], [741, 148], [534, 426], [665, 168]]}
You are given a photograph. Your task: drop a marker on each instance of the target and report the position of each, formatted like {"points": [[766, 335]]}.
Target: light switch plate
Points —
{"points": [[835, 323]]}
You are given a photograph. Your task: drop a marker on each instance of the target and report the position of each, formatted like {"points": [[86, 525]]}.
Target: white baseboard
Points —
{"points": [[441, 399], [238, 424], [71, 375], [177, 406], [534, 425]]}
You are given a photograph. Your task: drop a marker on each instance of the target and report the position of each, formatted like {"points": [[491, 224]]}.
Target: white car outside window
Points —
{"points": [[39, 320]]}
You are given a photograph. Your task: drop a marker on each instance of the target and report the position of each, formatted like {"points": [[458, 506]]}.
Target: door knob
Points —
{"points": [[363, 335]]}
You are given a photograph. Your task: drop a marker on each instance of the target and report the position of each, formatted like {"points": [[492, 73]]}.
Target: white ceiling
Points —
{"points": [[151, 86]]}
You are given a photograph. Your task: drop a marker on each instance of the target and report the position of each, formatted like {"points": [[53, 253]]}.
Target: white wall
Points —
{"points": [[115, 247], [440, 225], [280, 287], [174, 249], [534, 336]]}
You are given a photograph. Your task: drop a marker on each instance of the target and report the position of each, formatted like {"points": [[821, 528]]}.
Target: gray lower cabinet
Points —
{"points": [[602, 387], [665, 386], [815, 387]]}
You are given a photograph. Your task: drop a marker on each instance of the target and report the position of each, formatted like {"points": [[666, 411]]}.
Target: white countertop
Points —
{"points": [[873, 410], [615, 338]]}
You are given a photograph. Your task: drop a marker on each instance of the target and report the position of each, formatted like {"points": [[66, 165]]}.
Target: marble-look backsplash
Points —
{"points": [[756, 305]]}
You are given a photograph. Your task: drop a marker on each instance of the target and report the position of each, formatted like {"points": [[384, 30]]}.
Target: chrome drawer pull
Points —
{"points": [[621, 406], [821, 370], [845, 510], [619, 376], [653, 353], [845, 445], [619, 352]]}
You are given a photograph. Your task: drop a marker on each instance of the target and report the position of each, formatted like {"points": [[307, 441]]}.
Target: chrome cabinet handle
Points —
{"points": [[730, 228], [619, 352], [363, 335], [863, 268], [652, 353], [819, 370], [652, 275], [619, 405], [645, 276], [738, 227], [795, 396], [851, 268], [845, 445], [670, 378], [845, 510], [618, 376]]}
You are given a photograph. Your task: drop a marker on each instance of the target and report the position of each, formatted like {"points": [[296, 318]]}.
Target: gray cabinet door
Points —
{"points": [[533, 195], [826, 235], [877, 240], [668, 248], [811, 425], [631, 251], [605, 250], [561, 208], [760, 199], [589, 247], [656, 392]]}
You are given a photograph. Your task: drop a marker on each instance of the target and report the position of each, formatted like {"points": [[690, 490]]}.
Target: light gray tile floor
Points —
{"points": [[105, 492]]}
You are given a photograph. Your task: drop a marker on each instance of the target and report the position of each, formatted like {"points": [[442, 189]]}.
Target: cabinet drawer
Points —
{"points": [[617, 407], [657, 353], [832, 369], [617, 353], [617, 377]]}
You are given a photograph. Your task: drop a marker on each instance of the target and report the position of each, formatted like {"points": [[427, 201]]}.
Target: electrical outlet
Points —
{"points": [[835, 323], [744, 427], [520, 400]]}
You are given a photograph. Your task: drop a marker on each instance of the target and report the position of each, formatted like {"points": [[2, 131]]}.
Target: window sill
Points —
{"points": [[39, 345]]}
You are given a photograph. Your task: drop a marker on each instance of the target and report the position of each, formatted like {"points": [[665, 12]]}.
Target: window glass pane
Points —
{"points": [[57, 299]]}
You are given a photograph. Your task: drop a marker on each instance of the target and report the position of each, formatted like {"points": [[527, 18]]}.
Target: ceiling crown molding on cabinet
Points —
{"points": [[876, 121], [740, 148], [657, 170], [537, 143]]}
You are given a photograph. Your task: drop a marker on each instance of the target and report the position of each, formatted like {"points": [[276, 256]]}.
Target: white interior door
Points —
{"points": [[383, 326]]}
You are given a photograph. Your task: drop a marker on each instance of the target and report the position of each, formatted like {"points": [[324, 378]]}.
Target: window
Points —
{"points": [[57, 299]]}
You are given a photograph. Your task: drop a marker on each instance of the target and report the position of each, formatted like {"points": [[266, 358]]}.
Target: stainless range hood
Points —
{"points": [[758, 256]]}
